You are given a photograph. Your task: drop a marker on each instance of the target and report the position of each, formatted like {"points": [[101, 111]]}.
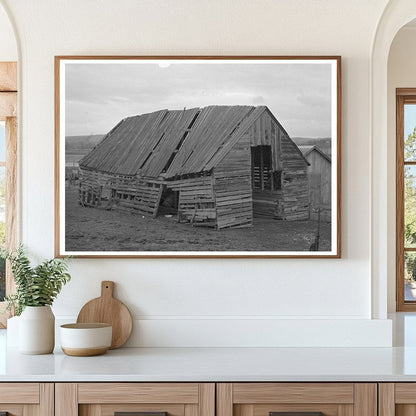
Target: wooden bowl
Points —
{"points": [[84, 340]]}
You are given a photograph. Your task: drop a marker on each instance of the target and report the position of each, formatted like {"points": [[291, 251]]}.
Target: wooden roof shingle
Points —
{"points": [[171, 143]]}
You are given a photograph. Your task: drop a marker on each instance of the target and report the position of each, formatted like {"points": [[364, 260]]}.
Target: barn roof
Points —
{"points": [[171, 143], [308, 149]]}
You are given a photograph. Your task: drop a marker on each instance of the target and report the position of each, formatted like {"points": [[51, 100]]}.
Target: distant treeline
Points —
{"points": [[82, 142], [324, 143]]}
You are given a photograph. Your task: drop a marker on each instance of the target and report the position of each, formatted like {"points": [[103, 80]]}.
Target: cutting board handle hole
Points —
{"points": [[107, 288]]}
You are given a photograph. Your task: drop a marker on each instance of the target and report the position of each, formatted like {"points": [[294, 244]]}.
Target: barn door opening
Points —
{"points": [[261, 171], [266, 184], [168, 202]]}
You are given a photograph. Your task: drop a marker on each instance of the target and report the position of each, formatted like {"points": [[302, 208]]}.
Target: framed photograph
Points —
{"points": [[202, 156]]}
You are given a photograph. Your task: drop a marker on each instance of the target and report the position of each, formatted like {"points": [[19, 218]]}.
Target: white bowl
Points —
{"points": [[84, 340]]}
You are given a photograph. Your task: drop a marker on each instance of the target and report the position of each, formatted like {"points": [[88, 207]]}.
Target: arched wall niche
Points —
{"points": [[396, 15]]}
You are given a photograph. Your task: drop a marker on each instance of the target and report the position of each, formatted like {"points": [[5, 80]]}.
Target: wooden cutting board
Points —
{"points": [[108, 310]]}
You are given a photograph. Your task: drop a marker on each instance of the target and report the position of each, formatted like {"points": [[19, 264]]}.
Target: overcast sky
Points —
{"points": [[98, 96]]}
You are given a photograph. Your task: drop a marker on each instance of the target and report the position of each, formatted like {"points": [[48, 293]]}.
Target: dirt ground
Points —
{"points": [[93, 229]]}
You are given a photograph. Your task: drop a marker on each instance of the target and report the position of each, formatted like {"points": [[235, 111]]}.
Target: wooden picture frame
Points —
{"points": [[198, 156]]}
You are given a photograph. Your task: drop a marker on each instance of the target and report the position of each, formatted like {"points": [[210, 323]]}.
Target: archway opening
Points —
{"points": [[396, 15], [401, 129]]}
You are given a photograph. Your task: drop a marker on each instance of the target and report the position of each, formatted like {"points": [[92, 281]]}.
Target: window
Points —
{"points": [[8, 165], [406, 199]]}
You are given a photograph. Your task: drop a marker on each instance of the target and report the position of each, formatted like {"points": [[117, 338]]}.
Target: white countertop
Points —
{"points": [[215, 364], [221, 364]]}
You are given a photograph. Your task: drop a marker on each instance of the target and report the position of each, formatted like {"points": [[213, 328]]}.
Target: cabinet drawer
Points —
{"points": [[147, 399], [21, 399], [19, 393], [138, 393], [397, 399], [297, 399]]}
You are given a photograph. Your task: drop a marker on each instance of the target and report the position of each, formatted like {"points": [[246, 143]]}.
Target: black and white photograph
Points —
{"points": [[198, 156]]}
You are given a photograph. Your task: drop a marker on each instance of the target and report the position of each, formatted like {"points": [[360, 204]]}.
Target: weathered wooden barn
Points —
{"points": [[319, 173], [216, 166]]}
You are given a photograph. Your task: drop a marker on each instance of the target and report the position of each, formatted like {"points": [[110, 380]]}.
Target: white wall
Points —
{"points": [[401, 74], [8, 47], [275, 302]]}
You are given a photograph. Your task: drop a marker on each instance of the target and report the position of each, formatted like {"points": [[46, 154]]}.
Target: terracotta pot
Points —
{"points": [[37, 330]]}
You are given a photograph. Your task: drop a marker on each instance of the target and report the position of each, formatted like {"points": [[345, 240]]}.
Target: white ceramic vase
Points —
{"points": [[37, 330], [12, 334]]}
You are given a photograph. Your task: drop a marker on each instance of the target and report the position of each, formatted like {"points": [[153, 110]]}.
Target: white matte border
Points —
{"points": [[165, 62]]}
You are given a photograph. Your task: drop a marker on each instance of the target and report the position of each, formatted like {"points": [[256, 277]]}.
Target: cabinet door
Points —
{"points": [[142, 399], [397, 399], [297, 399], [26, 399]]}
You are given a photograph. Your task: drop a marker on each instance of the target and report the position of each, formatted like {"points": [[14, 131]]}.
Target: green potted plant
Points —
{"points": [[36, 289]]}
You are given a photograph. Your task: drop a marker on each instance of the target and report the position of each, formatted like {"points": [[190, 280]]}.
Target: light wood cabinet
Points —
{"points": [[264, 399], [27, 399], [106, 399], [208, 399], [397, 399]]}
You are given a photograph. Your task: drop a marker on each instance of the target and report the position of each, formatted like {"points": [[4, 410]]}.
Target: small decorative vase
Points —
{"points": [[37, 330]]}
